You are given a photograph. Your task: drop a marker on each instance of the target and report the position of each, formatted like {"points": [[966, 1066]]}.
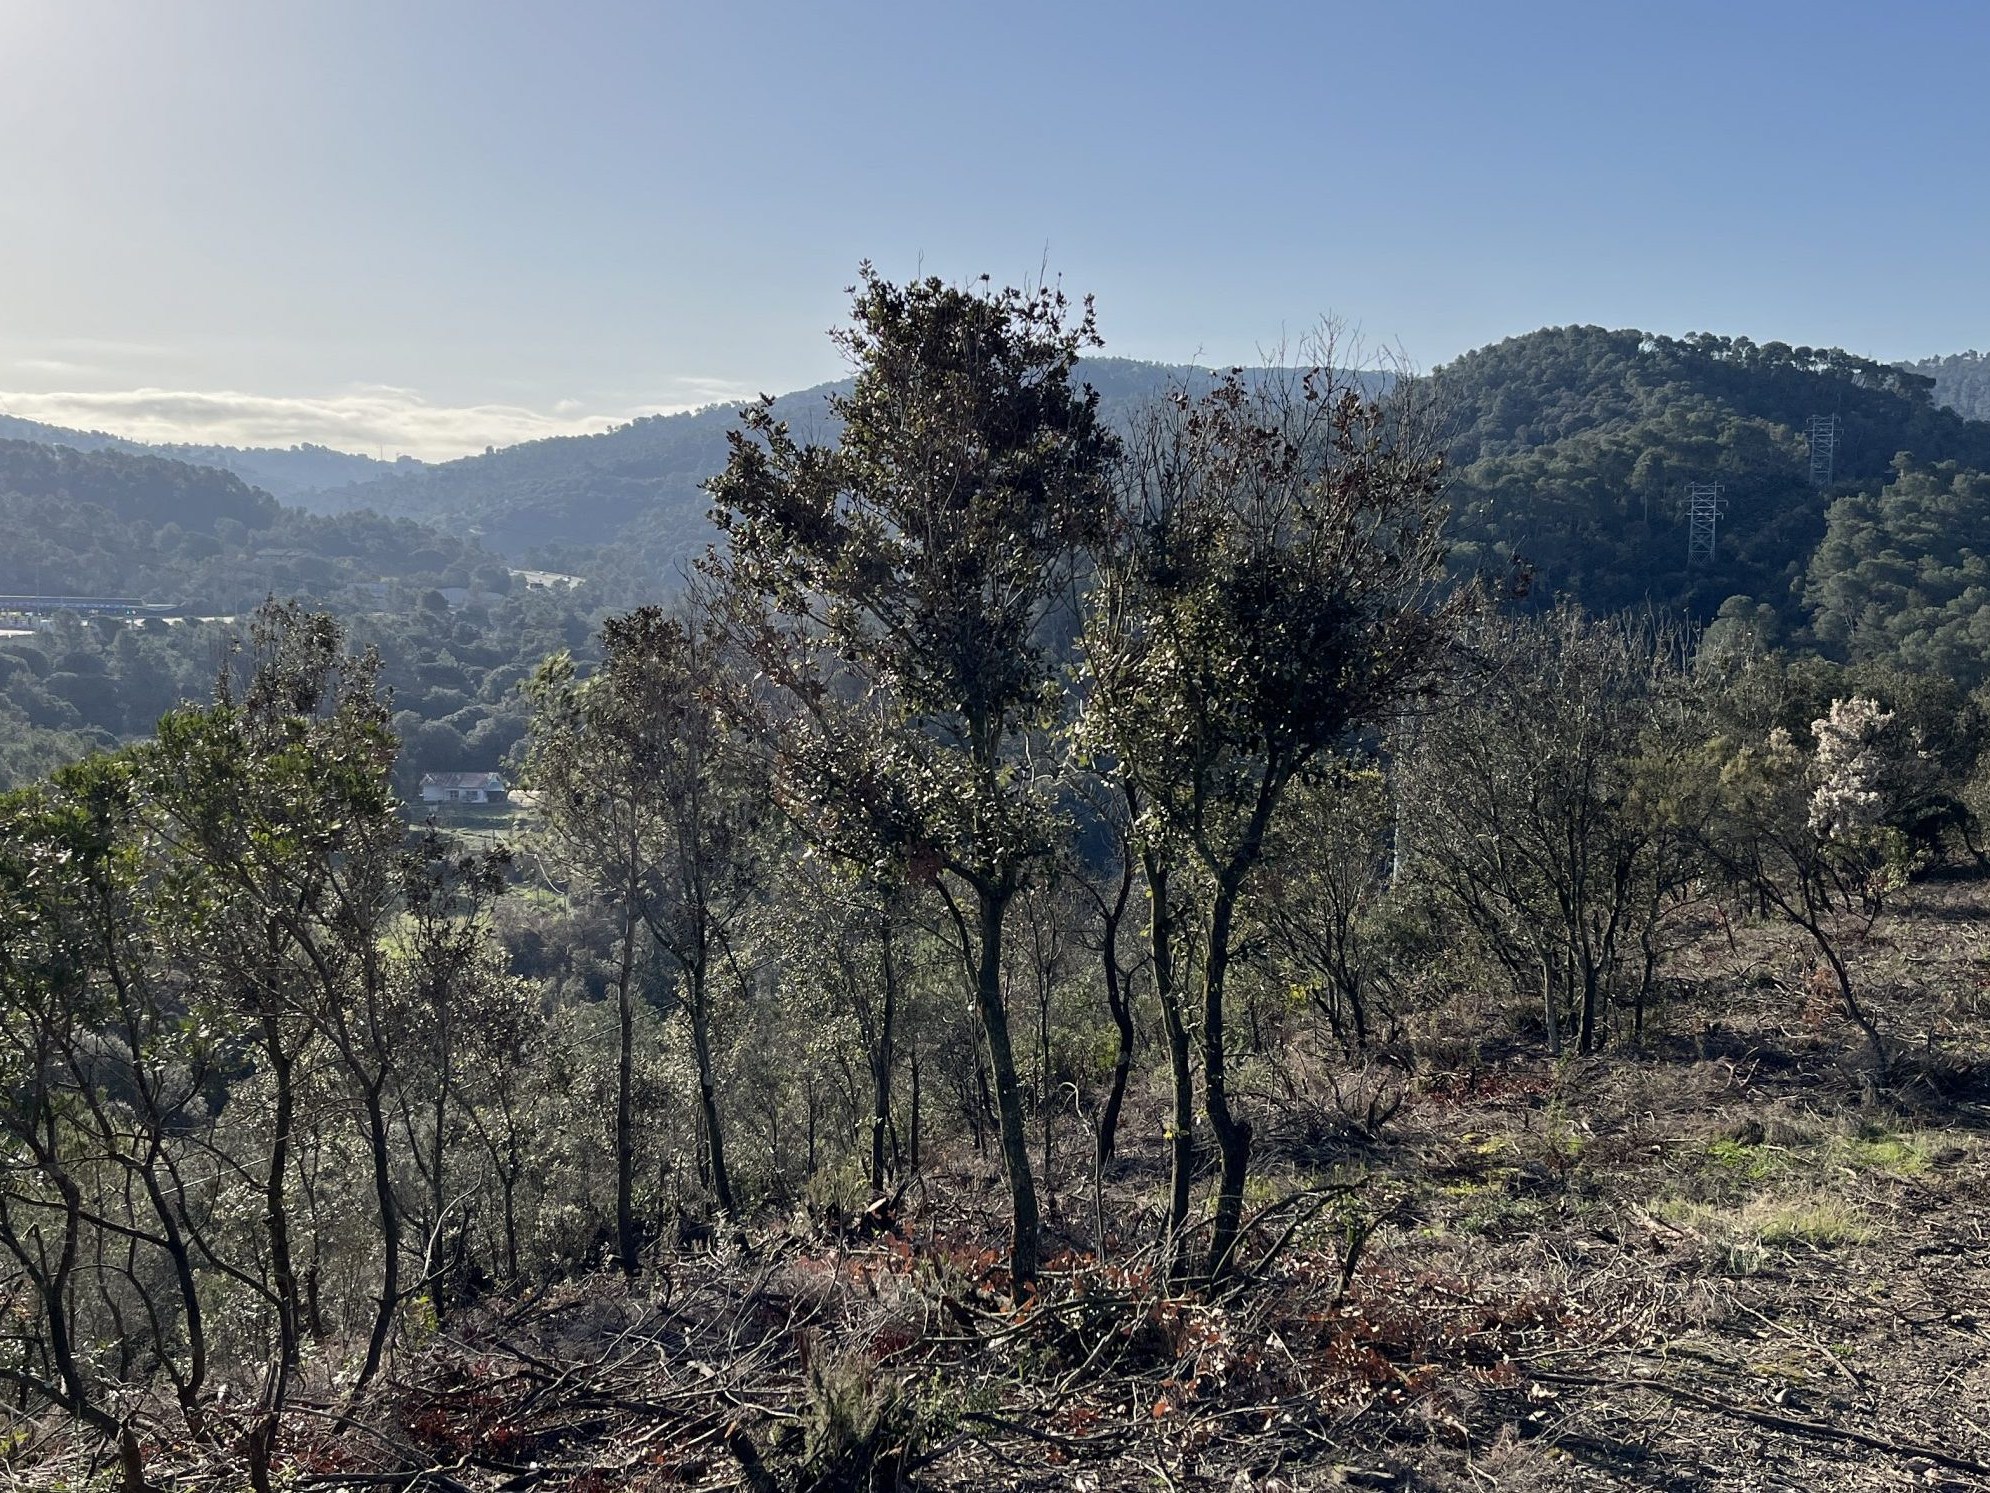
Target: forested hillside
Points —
{"points": [[1569, 449], [284, 472], [1962, 382], [545, 499], [636, 493], [111, 523], [1575, 445]]}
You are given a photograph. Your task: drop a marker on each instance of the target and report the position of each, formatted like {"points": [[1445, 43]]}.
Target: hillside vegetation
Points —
{"points": [[638, 490], [285, 472], [1962, 382], [1575, 446], [111, 523], [1571, 449], [1083, 954]]}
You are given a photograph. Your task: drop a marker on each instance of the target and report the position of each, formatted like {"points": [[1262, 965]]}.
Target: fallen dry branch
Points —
{"points": [[1769, 1419]]}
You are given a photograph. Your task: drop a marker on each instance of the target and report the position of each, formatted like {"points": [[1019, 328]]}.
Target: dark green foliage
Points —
{"points": [[928, 549], [29, 752], [918, 563], [141, 489], [1272, 588], [1904, 573], [107, 523], [1574, 446]]}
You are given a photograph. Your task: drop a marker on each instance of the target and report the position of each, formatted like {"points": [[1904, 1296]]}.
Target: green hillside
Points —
{"points": [[455, 629], [288, 472], [1575, 446], [1962, 382], [638, 487], [1571, 451], [112, 523]]}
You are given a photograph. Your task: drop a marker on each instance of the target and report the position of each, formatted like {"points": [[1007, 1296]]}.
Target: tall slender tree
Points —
{"points": [[276, 803], [896, 587], [643, 792], [1274, 586]]}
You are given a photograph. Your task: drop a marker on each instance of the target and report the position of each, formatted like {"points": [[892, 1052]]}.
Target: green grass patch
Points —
{"points": [[1871, 1148], [1740, 1159], [1875, 1149], [1740, 1236], [1820, 1220], [1494, 1215]]}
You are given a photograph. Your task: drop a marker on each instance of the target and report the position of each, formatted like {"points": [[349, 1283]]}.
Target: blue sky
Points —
{"points": [[427, 225]]}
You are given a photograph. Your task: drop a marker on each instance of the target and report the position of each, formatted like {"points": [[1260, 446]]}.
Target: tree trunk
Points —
{"points": [[994, 905], [1642, 998], [1585, 1042], [276, 1212], [131, 1462], [1181, 1127], [437, 1192], [1357, 1005], [1233, 1134], [984, 1102], [912, 1128], [508, 1180], [1548, 1007], [390, 1240], [809, 1108], [1854, 1012], [1118, 1001], [1046, 1107], [1122, 1019], [56, 1303], [189, 1287], [628, 1240], [881, 1058], [708, 1092]]}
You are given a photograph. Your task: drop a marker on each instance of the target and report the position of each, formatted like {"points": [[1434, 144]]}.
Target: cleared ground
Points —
{"points": [[1721, 1262]]}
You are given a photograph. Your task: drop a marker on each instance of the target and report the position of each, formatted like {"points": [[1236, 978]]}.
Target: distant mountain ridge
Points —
{"points": [[630, 499], [289, 473], [1571, 449], [639, 486]]}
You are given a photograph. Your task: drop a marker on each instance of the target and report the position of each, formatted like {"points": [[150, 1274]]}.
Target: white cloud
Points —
{"points": [[367, 419]]}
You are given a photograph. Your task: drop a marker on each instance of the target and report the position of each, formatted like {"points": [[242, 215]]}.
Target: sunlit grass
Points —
{"points": [[1871, 1148], [1742, 1235], [1876, 1150]]}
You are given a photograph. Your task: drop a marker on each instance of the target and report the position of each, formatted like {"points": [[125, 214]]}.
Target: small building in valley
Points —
{"points": [[463, 788]]}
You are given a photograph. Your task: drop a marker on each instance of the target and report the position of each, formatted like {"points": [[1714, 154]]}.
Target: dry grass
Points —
{"points": [[1724, 1210]]}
